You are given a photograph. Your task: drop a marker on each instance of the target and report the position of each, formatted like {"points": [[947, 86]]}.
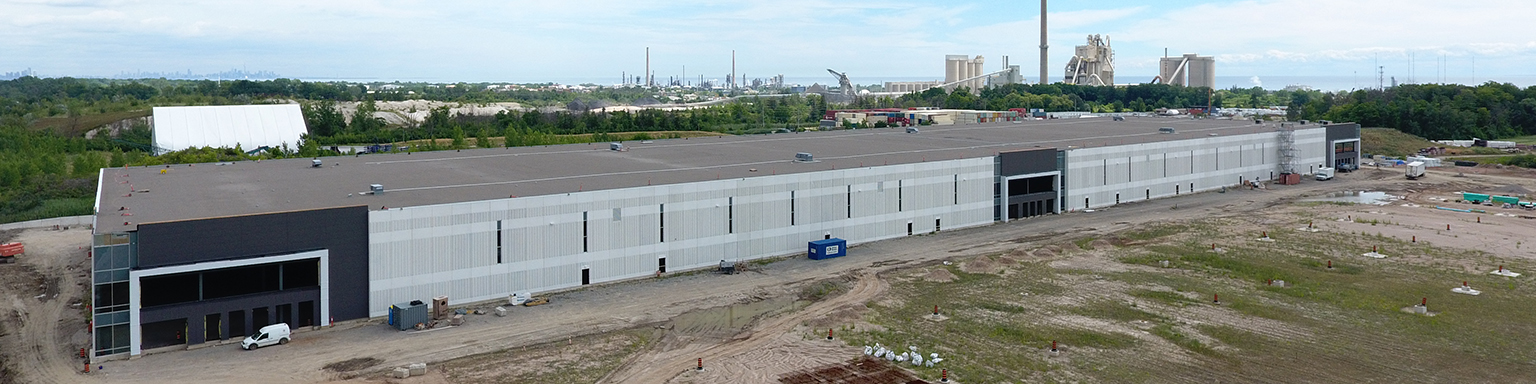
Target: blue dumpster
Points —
{"points": [[829, 248]]}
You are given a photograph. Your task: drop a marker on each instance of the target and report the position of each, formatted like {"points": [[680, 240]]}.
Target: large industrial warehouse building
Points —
{"points": [[190, 254]]}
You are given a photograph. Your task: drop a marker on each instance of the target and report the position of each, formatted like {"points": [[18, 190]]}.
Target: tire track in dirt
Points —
{"points": [[42, 351], [662, 366]]}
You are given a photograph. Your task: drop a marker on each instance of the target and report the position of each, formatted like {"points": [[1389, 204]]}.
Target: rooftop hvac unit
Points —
{"points": [[616, 146], [315, 163], [804, 156], [376, 188]]}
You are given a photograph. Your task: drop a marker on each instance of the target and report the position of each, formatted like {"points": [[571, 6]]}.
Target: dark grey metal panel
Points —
{"points": [[1338, 132], [194, 312], [342, 231], [1028, 161]]}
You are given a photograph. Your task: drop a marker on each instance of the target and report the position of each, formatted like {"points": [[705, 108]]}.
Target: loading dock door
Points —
{"points": [[212, 326], [237, 324], [306, 314], [260, 317], [285, 314]]}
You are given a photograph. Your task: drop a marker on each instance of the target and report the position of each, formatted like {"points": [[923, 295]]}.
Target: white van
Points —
{"points": [[1324, 173], [268, 335]]}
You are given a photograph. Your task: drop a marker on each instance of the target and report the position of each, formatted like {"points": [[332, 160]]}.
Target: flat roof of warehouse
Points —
{"points": [[424, 178]]}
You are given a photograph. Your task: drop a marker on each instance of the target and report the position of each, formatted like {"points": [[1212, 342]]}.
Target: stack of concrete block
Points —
{"points": [[418, 369], [501, 312], [401, 373], [457, 320]]}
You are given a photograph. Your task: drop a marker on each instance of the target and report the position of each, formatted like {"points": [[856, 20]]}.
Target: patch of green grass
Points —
{"points": [[1165, 297], [1112, 310], [820, 290], [1085, 243], [1527, 139], [1001, 307], [1155, 232], [1391, 142], [53, 208], [1251, 307], [74, 126], [1168, 332], [1232, 336], [1042, 336]]}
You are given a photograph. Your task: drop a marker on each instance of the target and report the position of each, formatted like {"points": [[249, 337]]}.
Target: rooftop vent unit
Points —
{"points": [[378, 189], [315, 163], [804, 157], [616, 146]]}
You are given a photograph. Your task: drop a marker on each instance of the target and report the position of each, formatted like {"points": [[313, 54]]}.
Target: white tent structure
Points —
{"points": [[250, 126]]}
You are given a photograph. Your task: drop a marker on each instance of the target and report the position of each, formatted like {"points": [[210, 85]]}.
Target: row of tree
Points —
{"points": [[45, 173]]}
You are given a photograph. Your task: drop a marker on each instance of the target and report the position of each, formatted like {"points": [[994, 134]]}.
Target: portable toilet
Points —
{"points": [[829, 248]]}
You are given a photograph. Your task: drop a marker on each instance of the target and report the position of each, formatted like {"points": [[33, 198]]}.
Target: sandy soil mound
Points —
{"points": [[1102, 244], [939, 275], [1044, 253], [980, 264]]}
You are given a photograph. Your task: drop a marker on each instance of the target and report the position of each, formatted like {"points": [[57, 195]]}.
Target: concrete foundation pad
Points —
{"points": [[1466, 291], [936, 317], [1267, 239], [1374, 255], [1305, 229], [1505, 273], [1419, 310]]}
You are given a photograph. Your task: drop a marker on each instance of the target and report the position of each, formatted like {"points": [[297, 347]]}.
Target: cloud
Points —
{"points": [[529, 40]]}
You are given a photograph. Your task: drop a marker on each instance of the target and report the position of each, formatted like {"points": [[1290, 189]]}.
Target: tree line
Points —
{"points": [[45, 173]]}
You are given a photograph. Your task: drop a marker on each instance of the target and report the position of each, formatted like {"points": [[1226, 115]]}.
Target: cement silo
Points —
{"points": [[1189, 70], [961, 67]]}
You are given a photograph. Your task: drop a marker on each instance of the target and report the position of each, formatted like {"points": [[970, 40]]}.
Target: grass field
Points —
{"points": [[1135, 320], [1391, 142], [73, 126], [1530, 139]]}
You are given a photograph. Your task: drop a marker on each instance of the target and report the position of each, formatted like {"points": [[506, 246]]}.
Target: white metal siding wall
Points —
{"points": [[1166, 168], [420, 252]]}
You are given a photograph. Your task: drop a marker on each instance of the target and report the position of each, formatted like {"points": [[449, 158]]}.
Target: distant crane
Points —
{"points": [[842, 82]]}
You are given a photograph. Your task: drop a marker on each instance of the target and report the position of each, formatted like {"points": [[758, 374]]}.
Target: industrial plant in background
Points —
{"points": [[1093, 64], [1190, 70], [961, 71]]}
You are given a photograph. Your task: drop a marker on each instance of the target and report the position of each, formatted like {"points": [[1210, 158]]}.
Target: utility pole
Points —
{"points": [[1044, 58]]}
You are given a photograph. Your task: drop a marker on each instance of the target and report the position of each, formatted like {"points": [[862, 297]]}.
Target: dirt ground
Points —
{"points": [[42, 315], [654, 330]]}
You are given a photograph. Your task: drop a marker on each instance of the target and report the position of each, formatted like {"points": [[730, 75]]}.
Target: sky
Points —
{"points": [[537, 41]]}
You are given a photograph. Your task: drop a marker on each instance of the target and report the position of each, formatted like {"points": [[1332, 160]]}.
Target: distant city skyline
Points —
{"points": [[526, 41]]}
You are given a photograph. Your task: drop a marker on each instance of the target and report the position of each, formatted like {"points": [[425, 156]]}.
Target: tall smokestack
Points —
{"points": [[733, 69], [1044, 58], [648, 65]]}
